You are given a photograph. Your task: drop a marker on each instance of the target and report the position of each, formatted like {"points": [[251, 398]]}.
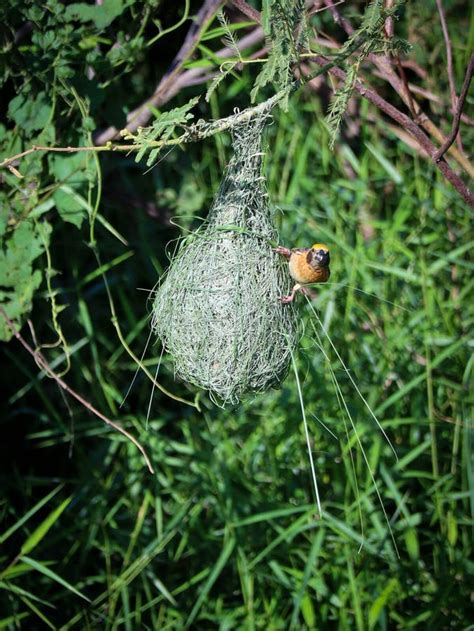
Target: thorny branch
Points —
{"points": [[44, 365], [404, 121], [193, 133]]}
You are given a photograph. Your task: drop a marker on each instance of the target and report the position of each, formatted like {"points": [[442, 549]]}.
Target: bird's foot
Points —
{"points": [[304, 290], [286, 299], [284, 251]]}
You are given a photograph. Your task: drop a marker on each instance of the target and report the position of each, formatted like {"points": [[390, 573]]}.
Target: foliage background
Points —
{"points": [[223, 535]]}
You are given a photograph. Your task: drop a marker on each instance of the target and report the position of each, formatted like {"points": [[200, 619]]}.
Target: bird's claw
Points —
{"points": [[282, 250]]}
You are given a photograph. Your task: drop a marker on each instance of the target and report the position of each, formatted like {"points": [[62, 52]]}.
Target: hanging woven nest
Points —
{"points": [[217, 311]]}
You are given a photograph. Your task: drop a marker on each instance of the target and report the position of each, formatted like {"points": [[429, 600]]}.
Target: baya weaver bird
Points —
{"points": [[307, 265]]}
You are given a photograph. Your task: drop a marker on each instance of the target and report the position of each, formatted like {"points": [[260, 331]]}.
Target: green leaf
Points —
{"points": [[29, 514], [224, 72], [14, 571], [52, 575], [214, 575], [385, 164], [452, 528], [381, 601], [30, 113], [68, 207], [101, 15], [42, 530], [38, 612], [307, 610], [73, 170], [411, 542], [161, 130], [285, 18], [18, 281], [13, 620]]}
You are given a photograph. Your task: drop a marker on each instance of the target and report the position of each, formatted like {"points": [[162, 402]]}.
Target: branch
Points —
{"points": [[404, 121], [43, 364], [449, 63], [38, 148], [202, 130], [457, 116], [449, 53]]}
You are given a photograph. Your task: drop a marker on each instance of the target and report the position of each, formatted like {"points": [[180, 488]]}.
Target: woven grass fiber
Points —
{"points": [[217, 310]]}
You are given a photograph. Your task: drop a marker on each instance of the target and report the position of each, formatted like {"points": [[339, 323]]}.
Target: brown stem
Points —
{"points": [[449, 53], [247, 10], [457, 116], [43, 364], [338, 18], [411, 104], [389, 25]]}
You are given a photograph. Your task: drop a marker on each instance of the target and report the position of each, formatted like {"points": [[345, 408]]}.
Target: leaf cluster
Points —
{"points": [[57, 60]]}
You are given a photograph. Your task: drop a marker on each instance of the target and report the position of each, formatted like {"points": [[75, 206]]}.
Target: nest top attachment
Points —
{"points": [[217, 310]]}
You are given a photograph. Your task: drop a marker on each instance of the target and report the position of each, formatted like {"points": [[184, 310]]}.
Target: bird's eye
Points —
{"points": [[323, 256]]}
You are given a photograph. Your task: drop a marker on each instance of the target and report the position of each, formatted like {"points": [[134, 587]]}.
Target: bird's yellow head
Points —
{"points": [[319, 255], [320, 246]]}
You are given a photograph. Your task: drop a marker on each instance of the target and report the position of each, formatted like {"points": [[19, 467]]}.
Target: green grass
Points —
{"points": [[224, 534]]}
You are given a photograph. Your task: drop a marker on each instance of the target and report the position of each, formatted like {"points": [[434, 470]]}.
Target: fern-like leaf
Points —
{"points": [[367, 39], [286, 29], [339, 104], [225, 70], [160, 130], [228, 39]]}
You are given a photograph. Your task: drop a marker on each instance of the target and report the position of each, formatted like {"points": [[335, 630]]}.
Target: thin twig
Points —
{"points": [[449, 54], [389, 24], [457, 116], [44, 365], [411, 104], [339, 19], [38, 148], [390, 32]]}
